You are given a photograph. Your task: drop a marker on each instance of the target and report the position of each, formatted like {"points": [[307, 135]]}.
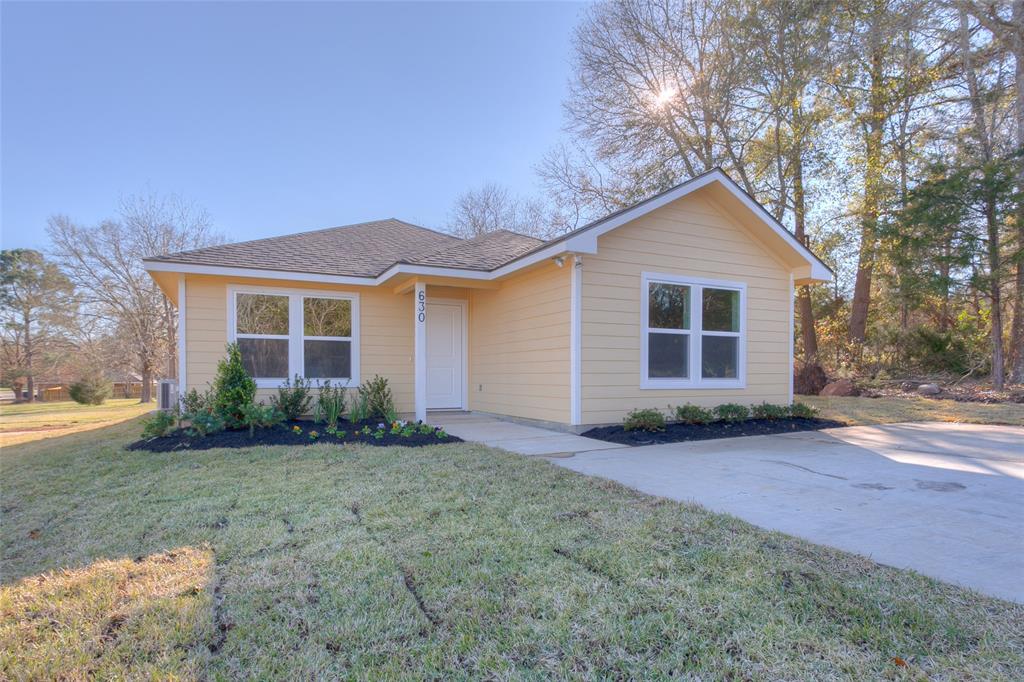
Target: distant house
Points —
{"points": [[684, 297]]}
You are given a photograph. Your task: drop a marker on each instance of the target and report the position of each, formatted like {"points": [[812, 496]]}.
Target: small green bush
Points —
{"points": [[194, 402], [90, 390], [159, 424], [731, 412], [205, 423], [802, 411], [233, 388], [693, 414], [769, 411], [255, 415], [644, 420], [379, 402], [293, 399], [330, 404]]}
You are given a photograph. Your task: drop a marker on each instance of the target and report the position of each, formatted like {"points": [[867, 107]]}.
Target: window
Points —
{"points": [[326, 338], [692, 332], [261, 325], [668, 342], [284, 333]]}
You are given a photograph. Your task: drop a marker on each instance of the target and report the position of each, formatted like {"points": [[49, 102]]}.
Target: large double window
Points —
{"points": [[693, 335], [284, 333]]}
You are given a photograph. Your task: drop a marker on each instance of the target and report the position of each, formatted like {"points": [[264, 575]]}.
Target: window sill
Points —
{"points": [[314, 383], [675, 385]]}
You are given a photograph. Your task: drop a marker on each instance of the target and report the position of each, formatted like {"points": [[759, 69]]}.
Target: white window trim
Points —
{"points": [[695, 380], [295, 336]]}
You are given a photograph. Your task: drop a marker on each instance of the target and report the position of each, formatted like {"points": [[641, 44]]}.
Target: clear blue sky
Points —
{"points": [[276, 117]]}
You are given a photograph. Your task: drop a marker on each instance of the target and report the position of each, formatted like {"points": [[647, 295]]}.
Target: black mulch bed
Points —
{"points": [[678, 433], [283, 434]]}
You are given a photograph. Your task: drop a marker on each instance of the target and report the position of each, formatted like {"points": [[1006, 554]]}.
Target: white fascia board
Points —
{"points": [[397, 269], [586, 240]]}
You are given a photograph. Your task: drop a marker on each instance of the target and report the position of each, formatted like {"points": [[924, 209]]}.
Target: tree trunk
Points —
{"points": [[807, 332], [1017, 329], [995, 265], [146, 393], [874, 127], [171, 323], [30, 380]]}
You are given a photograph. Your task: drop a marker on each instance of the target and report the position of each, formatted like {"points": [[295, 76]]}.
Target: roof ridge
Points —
{"points": [[428, 229]]}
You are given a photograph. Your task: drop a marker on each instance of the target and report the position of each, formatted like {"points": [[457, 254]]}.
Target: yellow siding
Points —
{"points": [[385, 331], [689, 237], [519, 346]]}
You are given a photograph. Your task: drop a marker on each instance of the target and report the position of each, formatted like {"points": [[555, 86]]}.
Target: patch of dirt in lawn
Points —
{"points": [[679, 433], [284, 434]]}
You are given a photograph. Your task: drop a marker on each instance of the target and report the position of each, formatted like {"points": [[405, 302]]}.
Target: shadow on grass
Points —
{"points": [[138, 618]]}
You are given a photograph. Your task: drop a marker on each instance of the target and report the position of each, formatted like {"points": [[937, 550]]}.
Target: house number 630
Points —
{"points": [[421, 306]]}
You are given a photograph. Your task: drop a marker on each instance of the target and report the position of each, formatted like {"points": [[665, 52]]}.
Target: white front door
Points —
{"points": [[444, 355]]}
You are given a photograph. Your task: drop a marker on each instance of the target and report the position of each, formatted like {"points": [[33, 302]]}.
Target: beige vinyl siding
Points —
{"points": [[385, 331], [689, 237], [519, 346]]}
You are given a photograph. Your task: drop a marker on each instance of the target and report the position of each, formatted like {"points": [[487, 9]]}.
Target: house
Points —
{"points": [[684, 297]]}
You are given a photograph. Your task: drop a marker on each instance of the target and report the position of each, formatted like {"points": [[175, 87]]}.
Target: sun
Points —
{"points": [[665, 96]]}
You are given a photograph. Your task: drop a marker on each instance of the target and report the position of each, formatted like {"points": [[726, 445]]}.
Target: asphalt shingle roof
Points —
{"points": [[362, 250], [486, 252]]}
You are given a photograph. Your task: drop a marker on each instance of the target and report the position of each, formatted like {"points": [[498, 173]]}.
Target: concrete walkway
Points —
{"points": [[946, 500], [525, 440]]}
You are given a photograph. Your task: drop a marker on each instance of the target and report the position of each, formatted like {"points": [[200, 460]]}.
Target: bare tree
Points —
{"points": [[492, 207], [105, 262]]}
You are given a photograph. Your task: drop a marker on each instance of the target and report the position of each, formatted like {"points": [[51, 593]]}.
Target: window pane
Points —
{"points": [[262, 314], [328, 359], [326, 317], [667, 356], [721, 311], [265, 358], [719, 357], [669, 306]]}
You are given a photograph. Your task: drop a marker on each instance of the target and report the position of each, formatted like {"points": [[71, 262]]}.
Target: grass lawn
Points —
{"points": [[450, 560], [28, 422], [890, 410]]}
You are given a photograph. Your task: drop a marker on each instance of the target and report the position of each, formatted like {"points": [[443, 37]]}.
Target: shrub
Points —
{"points": [[330, 405], [644, 420], [159, 424], [262, 416], [378, 397], [194, 402], [769, 411], [293, 399], [90, 390], [732, 412], [693, 414], [802, 411], [205, 423], [233, 388], [360, 410]]}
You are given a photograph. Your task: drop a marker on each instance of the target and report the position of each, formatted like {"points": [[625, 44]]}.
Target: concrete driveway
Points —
{"points": [[946, 500]]}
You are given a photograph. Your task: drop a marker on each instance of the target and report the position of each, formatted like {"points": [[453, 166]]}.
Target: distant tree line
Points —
{"points": [[87, 308]]}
